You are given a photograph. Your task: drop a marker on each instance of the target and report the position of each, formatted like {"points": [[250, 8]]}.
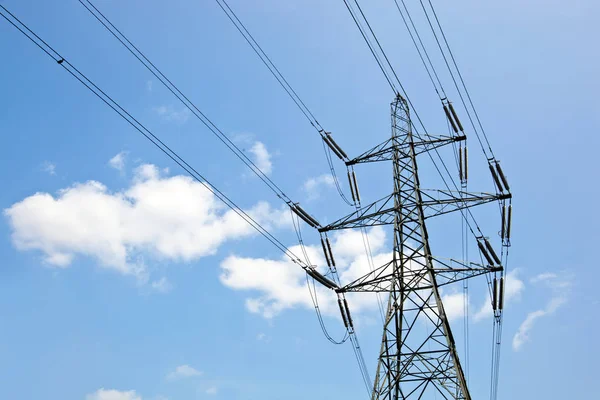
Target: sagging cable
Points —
{"points": [[502, 176], [305, 216]]}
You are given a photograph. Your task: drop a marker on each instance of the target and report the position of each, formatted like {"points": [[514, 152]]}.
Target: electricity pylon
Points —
{"points": [[418, 357]]}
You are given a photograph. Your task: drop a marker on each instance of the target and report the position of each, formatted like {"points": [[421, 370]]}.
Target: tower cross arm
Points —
{"points": [[416, 276], [434, 202], [385, 151]]}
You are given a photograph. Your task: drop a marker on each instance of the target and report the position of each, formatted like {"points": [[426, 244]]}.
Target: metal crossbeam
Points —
{"points": [[434, 203]]}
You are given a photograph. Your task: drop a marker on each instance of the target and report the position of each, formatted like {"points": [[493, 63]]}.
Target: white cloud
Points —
{"points": [[49, 167], [454, 305], [174, 218], [211, 390], [104, 394], [162, 285], [559, 286], [513, 288], [169, 113], [281, 284], [314, 186], [149, 85], [262, 158], [183, 371], [118, 161]]}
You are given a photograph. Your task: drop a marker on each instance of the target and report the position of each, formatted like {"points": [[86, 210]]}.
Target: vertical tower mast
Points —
{"points": [[418, 355]]}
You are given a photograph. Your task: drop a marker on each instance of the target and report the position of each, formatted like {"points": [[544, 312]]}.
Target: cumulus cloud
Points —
{"points": [[280, 284], [118, 161], [169, 113], [174, 218], [313, 186], [262, 158], [104, 394], [559, 287], [183, 371]]}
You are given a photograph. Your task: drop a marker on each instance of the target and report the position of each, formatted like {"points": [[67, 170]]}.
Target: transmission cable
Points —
{"points": [[185, 100], [90, 85], [283, 82]]}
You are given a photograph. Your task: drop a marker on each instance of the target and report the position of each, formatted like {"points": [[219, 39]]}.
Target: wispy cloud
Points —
{"points": [[212, 390], [169, 113], [183, 371], [262, 158], [314, 186], [49, 167], [559, 288], [118, 161], [111, 394], [162, 285], [149, 85]]}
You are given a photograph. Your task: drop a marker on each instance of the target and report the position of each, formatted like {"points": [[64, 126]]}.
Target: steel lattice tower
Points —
{"points": [[418, 357]]}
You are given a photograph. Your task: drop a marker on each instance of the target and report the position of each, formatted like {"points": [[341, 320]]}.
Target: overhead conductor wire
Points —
{"points": [[90, 85], [239, 25]]}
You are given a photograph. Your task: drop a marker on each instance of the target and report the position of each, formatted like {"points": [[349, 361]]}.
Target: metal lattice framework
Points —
{"points": [[418, 356]]}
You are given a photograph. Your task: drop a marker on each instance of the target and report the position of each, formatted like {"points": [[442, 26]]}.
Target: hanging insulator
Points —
{"points": [[351, 186], [495, 295], [325, 253], [466, 158], [460, 162], [334, 143], [502, 175], [327, 139], [460, 127], [495, 176], [503, 229], [454, 128], [492, 252], [330, 252], [508, 221], [355, 186], [348, 314], [485, 253], [501, 294], [343, 313], [305, 216], [321, 278]]}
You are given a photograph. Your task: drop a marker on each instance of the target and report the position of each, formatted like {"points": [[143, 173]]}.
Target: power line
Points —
{"points": [[284, 83], [185, 100], [109, 101]]}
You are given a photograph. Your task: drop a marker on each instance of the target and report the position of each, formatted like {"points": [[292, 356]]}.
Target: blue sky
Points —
{"points": [[121, 279]]}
